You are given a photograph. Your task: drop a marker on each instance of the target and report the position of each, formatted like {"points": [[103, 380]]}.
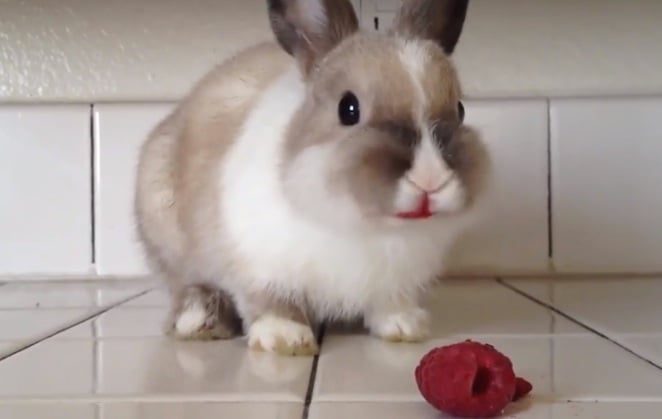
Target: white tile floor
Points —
{"points": [[592, 349]]}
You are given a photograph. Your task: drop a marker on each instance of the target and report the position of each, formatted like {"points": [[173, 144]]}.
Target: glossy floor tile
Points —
{"points": [[534, 409], [589, 347], [626, 305], [70, 294], [116, 365], [131, 321], [55, 410], [562, 360], [217, 370], [627, 309], [560, 367], [26, 324], [649, 346], [485, 307], [147, 410], [30, 312], [201, 410]]}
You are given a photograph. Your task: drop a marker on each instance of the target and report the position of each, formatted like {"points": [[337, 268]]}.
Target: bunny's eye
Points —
{"points": [[460, 110], [348, 109]]}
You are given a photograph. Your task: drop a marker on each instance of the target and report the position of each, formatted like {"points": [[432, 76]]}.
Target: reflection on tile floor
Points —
{"points": [[534, 409], [151, 410], [32, 311], [596, 354]]}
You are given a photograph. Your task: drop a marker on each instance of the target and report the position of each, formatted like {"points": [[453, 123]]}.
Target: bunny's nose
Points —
{"points": [[429, 185]]}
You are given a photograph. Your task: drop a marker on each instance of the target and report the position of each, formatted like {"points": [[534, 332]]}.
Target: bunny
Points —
{"points": [[319, 177]]}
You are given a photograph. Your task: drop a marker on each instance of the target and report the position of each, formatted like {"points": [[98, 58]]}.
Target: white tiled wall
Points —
{"points": [[606, 194], [512, 235], [607, 185], [45, 199], [119, 132]]}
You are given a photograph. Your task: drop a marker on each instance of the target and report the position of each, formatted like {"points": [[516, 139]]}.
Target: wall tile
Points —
{"points": [[607, 185], [45, 214], [120, 131], [512, 236]]}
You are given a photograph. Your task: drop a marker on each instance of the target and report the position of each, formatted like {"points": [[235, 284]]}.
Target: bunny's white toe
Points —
{"points": [[282, 336], [403, 326]]}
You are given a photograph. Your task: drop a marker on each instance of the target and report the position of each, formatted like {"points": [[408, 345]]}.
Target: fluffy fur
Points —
{"points": [[255, 202]]}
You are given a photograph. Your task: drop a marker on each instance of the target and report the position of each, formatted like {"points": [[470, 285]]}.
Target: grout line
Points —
{"points": [[579, 323], [313, 374], [552, 358], [93, 177], [550, 225], [97, 411], [66, 327]]}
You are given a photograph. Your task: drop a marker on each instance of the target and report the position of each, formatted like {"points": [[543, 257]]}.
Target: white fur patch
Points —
{"points": [[313, 189], [340, 273], [272, 333], [430, 173], [408, 325], [414, 56], [191, 319], [451, 198]]}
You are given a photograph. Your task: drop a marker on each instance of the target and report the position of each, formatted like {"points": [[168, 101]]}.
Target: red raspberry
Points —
{"points": [[522, 388], [468, 379]]}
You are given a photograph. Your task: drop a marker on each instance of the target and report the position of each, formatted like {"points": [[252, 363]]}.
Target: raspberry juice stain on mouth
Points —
{"points": [[422, 212]]}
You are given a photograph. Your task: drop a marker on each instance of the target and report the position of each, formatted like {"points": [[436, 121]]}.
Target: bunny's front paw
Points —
{"points": [[282, 336], [203, 312], [411, 325]]}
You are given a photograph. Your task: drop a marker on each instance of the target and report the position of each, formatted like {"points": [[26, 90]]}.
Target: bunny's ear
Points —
{"points": [[437, 20], [308, 29]]}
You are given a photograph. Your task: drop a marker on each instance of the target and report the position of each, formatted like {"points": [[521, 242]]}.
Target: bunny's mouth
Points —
{"points": [[422, 212]]}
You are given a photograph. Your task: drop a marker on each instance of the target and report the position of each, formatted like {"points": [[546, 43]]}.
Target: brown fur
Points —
{"points": [[378, 152], [176, 197], [222, 320], [414, 21], [308, 40], [441, 86]]}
